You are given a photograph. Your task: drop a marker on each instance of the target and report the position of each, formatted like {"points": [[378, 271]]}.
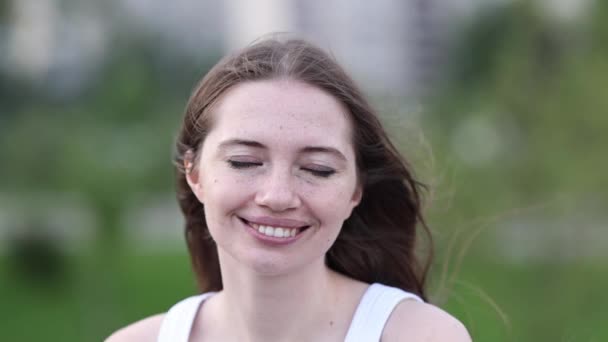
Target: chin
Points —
{"points": [[268, 265]]}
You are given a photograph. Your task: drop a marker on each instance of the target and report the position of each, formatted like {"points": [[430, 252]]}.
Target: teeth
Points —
{"points": [[279, 232]]}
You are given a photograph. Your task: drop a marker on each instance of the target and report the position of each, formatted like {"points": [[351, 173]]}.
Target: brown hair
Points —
{"points": [[376, 243]]}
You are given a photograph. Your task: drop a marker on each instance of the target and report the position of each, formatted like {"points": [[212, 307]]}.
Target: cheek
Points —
{"points": [[226, 193], [333, 205]]}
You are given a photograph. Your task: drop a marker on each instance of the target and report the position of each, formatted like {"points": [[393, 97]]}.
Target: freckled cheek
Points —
{"points": [[331, 204], [340, 192], [229, 192]]}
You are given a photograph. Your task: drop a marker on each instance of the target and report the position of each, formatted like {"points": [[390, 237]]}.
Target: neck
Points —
{"points": [[289, 306]]}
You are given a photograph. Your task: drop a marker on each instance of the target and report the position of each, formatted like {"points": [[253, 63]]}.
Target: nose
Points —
{"points": [[278, 193]]}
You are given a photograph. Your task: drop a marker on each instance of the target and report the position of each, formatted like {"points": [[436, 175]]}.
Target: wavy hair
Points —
{"points": [[377, 242]]}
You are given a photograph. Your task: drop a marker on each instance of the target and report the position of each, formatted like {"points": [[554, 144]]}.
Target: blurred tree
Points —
{"points": [[538, 89], [112, 142], [36, 258], [520, 122]]}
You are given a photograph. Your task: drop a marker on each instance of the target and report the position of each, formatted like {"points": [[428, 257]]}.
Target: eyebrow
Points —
{"points": [[255, 144], [240, 142]]}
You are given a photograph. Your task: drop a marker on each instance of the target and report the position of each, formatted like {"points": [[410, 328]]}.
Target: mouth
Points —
{"points": [[275, 231]]}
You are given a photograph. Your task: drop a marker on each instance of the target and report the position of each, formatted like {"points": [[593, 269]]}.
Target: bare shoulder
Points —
{"points": [[415, 321], [145, 330]]}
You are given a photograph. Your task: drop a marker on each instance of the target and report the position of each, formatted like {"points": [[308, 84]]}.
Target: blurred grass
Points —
{"points": [[92, 298], [539, 302]]}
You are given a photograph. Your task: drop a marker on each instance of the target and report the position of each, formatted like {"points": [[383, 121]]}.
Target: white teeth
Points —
{"points": [[279, 232]]}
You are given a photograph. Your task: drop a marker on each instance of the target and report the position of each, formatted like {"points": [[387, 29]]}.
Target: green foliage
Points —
{"points": [[109, 142], [518, 132], [538, 91]]}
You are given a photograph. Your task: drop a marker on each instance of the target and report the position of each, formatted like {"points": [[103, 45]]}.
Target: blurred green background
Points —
{"points": [[507, 124]]}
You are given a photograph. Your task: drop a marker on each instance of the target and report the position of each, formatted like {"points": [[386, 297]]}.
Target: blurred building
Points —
{"points": [[44, 41], [390, 46]]}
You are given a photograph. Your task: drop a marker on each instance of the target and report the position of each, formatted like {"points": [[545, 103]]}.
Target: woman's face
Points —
{"points": [[276, 174]]}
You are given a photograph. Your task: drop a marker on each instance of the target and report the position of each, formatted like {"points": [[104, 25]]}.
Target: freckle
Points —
{"points": [[331, 323]]}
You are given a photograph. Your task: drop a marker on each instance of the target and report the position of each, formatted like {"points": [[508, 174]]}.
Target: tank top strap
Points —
{"points": [[178, 321], [373, 312]]}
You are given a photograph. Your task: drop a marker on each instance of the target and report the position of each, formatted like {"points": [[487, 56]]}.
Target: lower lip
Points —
{"points": [[270, 239]]}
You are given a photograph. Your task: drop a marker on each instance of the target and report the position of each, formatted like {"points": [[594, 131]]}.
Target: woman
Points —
{"points": [[301, 216]]}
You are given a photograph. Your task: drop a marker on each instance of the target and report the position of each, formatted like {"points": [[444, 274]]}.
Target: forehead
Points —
{"points": [[281, 111]]}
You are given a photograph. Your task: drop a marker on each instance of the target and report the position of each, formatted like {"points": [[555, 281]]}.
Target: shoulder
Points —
{"points": [[416, 321], [145, 330]]}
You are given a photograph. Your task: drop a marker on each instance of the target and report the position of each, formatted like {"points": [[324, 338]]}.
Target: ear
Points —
{"points": [[355, 200], [192, 174], [357, 195]]}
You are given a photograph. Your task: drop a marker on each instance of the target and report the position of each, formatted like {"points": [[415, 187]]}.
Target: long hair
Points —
{"points": [[377, 242]]}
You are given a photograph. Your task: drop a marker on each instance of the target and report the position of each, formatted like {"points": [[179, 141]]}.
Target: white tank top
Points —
{"points": [[368, 322]]}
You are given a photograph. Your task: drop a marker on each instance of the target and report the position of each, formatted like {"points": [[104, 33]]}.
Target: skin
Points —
{"points": [[277, 176], [282, 149]]}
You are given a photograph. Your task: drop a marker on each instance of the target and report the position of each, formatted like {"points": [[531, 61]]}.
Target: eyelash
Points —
{"points": [[246, 165], [242, 165], [319, 173]]}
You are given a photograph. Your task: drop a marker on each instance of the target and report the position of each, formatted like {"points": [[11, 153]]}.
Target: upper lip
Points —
{"points": [[275, 222]]}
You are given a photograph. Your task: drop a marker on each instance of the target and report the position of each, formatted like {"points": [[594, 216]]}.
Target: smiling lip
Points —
{"points": [[275, 222], [253, 228]]}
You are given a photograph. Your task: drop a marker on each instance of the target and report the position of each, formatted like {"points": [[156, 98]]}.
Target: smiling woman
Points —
{"points": [[278, 158], [301, 216]]}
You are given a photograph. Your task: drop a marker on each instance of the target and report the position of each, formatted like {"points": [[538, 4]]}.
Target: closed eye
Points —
{"points": [[242, 164], [325, 172]]}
